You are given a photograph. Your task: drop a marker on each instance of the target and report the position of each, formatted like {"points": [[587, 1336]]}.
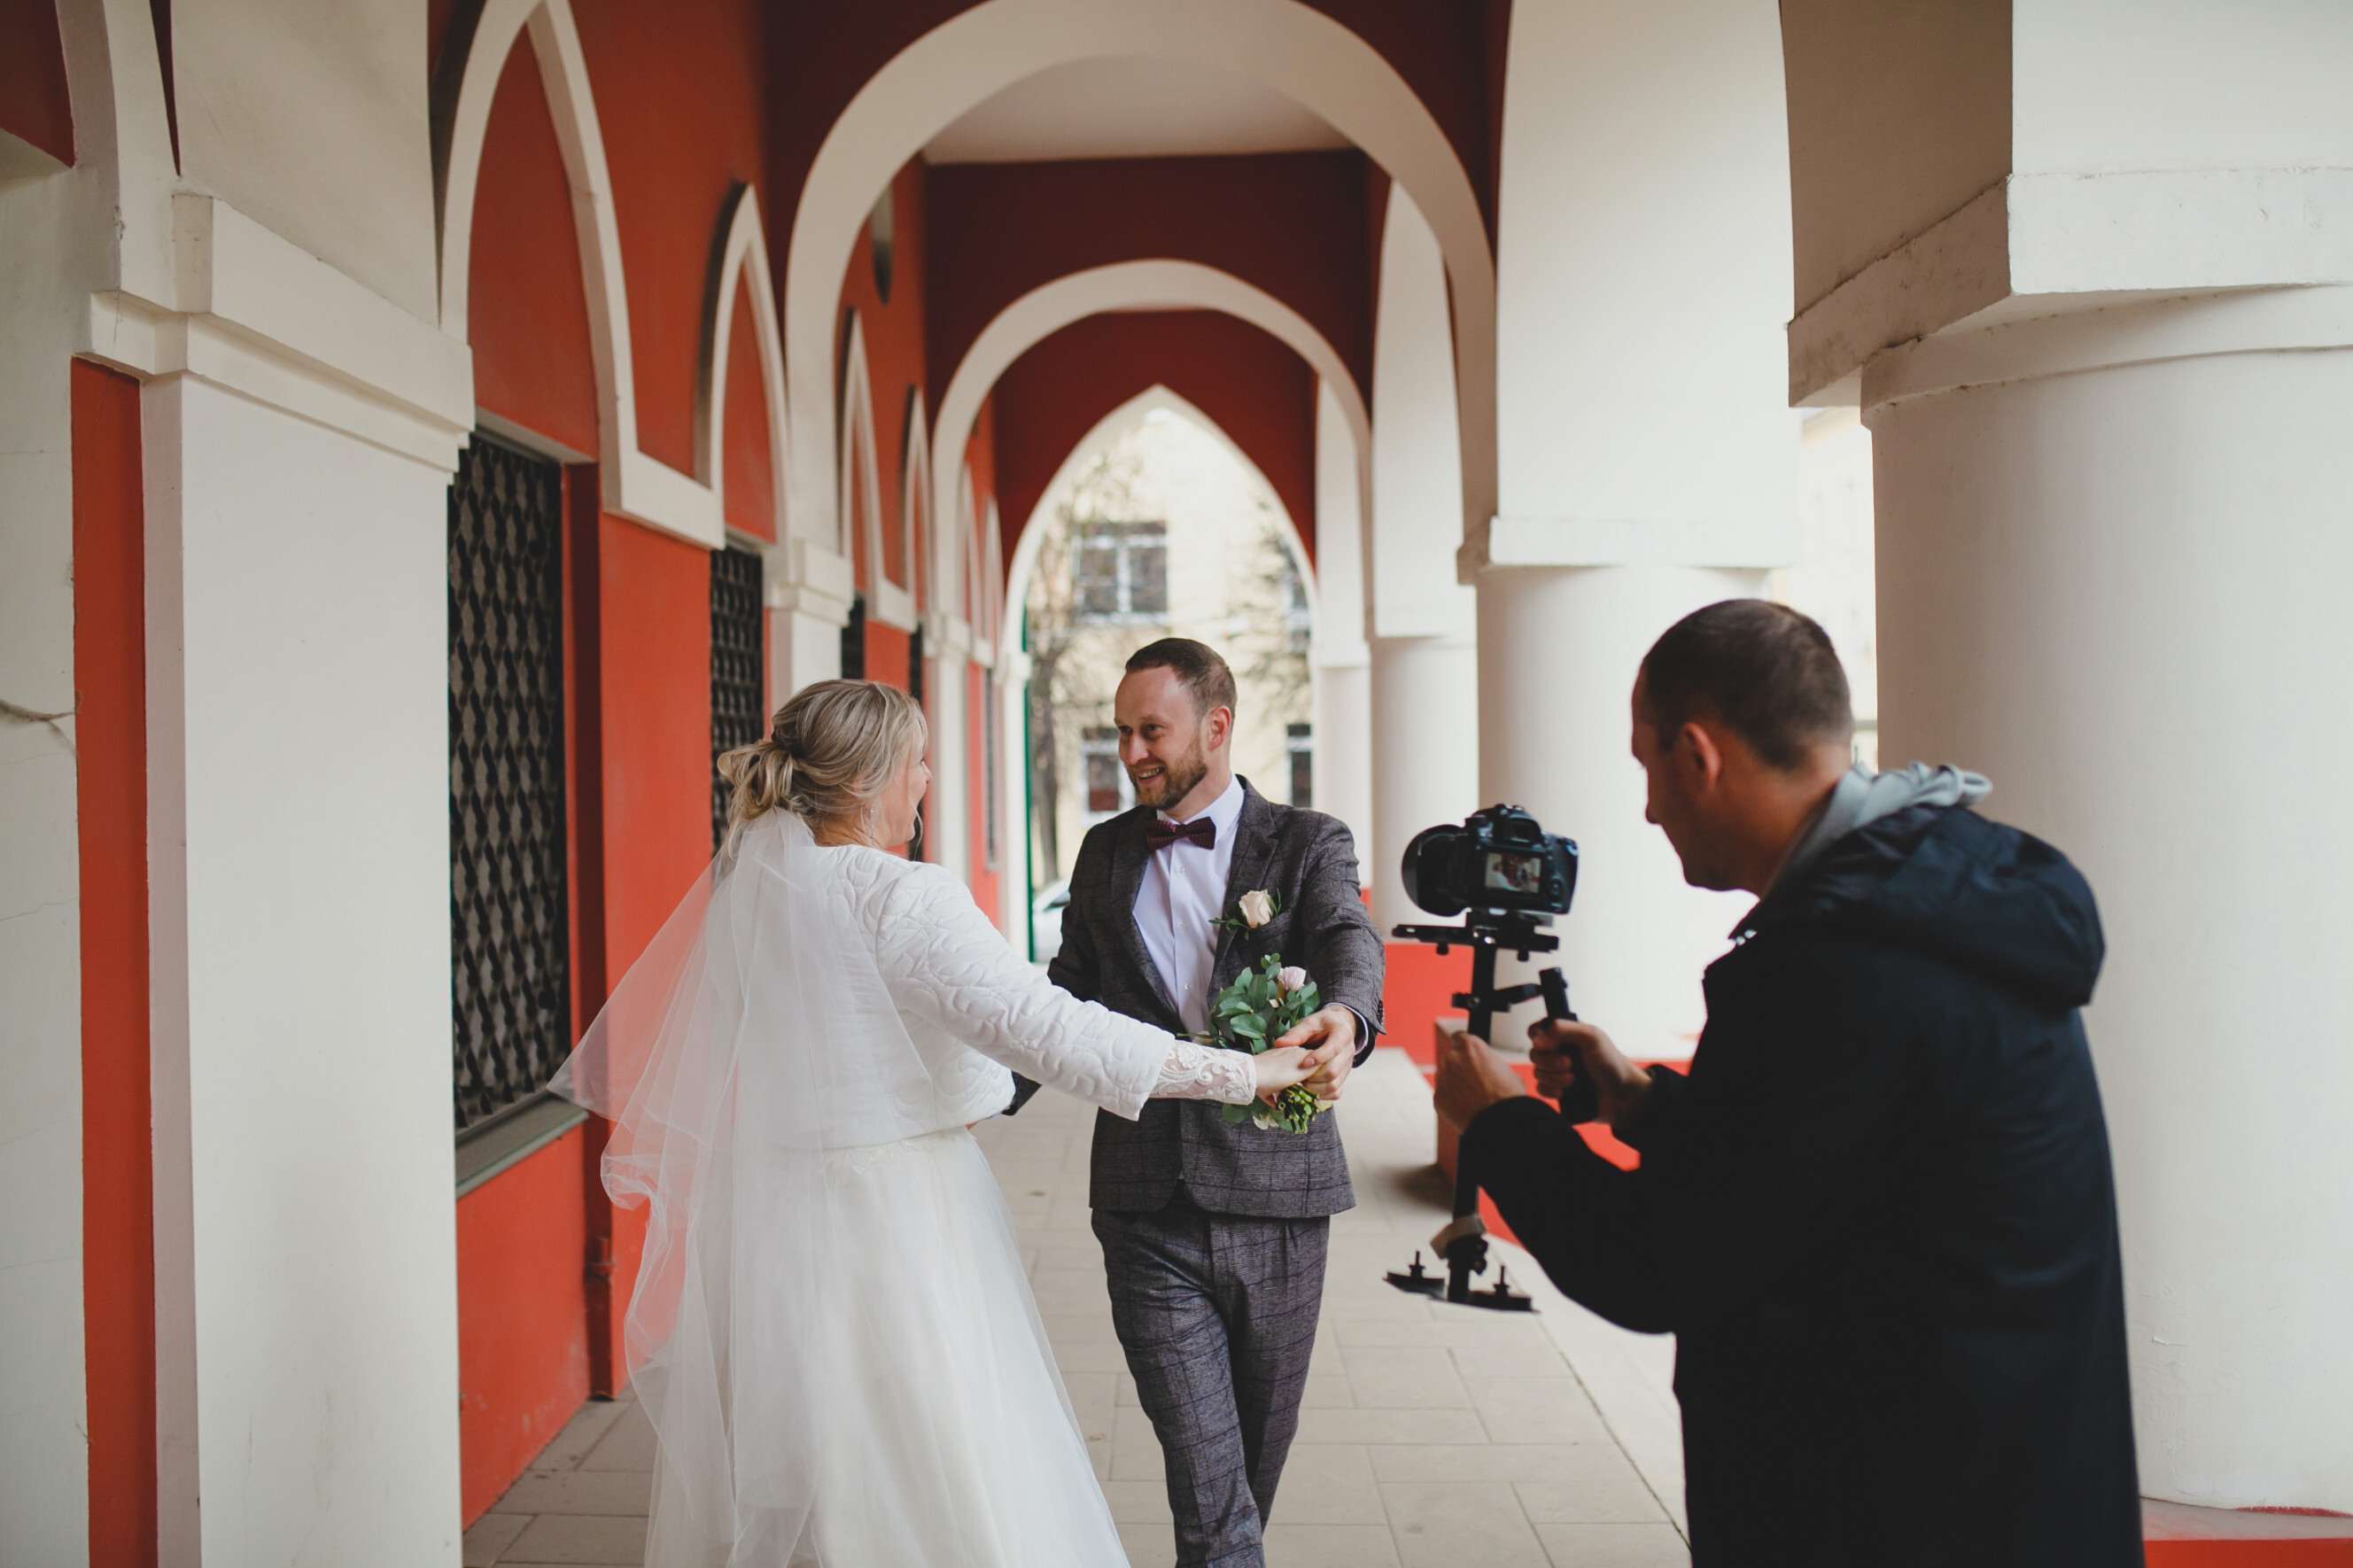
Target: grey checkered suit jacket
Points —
{"points": [[1307, 860]]}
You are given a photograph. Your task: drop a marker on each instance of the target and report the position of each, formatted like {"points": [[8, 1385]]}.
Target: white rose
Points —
{"points": [[1291, 978], [1258, 908]]}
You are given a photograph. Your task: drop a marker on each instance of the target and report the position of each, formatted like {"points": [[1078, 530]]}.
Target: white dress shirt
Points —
{"points": [[1184, 889]]}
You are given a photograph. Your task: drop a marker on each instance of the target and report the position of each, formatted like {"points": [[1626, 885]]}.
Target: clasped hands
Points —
{"points": [[1471, 1076], [1318, 1052]]}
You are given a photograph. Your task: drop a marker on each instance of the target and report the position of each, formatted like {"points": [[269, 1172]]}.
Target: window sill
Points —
{"points": [[512, 1136]]}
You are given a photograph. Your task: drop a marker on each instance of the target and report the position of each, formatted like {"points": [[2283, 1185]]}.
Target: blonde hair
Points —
{"points": [[829, 754]]}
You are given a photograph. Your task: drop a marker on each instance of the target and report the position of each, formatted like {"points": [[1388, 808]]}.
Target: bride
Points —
{"points": [[832, 1329]]}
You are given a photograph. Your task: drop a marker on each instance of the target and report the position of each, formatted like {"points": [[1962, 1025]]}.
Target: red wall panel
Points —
{"points": [[986, 887], [893, 331], [111, 800], [522, 1340], [682, 100], [34, 101], [1292, 224], [1258, 392], [527, 313], [750, 476]]}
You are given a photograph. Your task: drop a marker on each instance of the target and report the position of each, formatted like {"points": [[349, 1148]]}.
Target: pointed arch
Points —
{"points": [[1291, 47], [1014, 580], [634, 484], [921, 545], [857, 532], [739, 256]]}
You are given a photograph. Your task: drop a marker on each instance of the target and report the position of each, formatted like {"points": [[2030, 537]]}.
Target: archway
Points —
{"points": [[1316, 61]]}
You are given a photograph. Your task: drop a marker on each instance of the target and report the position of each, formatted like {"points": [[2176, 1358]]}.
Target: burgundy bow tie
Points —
{"points": [[1159, 833]]}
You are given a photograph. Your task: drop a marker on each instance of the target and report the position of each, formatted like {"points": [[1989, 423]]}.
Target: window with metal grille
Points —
{"points": [[1300, 740], [737, 688], [510, 927], [1123, 572], [1107, 781]]}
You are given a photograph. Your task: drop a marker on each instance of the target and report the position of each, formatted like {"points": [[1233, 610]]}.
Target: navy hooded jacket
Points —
{"points": [[1878, 1215]]}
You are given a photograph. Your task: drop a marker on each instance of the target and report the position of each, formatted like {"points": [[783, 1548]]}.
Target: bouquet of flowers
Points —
{"points": [[1256, 1010]]}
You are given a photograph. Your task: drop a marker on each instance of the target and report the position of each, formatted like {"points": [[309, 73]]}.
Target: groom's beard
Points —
{"points": [[1176, 781]]}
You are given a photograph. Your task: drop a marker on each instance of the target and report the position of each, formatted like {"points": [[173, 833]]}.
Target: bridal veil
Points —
{"points": [[751, 1046]]}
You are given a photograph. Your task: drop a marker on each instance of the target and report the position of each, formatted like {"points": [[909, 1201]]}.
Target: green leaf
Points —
{"points": [[1250, 1025], [1236, 1114]]}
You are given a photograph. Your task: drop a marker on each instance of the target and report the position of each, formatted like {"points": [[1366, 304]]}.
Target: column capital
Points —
{"points": [[1506, 543]]}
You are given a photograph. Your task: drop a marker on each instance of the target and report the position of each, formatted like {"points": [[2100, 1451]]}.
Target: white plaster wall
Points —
{"points": [[1416, 467], [1648, 461], [1343, 716], [2124, 86], [1642, 282], [313, 118], [44, 1472], [2119, 594], [1423, 623], [298, 676]]}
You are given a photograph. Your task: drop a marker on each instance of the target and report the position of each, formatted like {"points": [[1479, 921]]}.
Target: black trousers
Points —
{"points": [[1217, 1313]]}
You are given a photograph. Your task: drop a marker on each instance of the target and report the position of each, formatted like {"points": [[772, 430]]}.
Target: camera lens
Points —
{"points": [[1428, 868]]}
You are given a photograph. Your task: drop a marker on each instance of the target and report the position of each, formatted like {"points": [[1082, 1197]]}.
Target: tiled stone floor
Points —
{"points": [[1434, 1435]]}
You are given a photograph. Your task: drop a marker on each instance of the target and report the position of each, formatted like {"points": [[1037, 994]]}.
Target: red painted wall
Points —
{"points": [[527, 313], [682, 104], [34, 101], [1292, 224], [1260, 393], [986, 887], [893, 333], [522, 1350], [748, 484], [110, 801]]}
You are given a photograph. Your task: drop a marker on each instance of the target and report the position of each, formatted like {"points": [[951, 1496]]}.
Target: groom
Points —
{"points": [[1213, 1234]]}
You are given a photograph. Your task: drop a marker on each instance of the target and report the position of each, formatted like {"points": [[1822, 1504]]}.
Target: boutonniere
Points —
{"points": [[1259, 906]]}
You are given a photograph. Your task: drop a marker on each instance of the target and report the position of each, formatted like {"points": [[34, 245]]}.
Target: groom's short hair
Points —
{"points": [[1196, 664]]}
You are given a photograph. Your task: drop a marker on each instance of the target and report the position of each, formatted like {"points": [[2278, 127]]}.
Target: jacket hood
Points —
{"points": [[1941, 880]]}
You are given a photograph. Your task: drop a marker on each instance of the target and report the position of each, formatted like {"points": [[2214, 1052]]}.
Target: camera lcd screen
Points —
{"points": [[1514, 871]]}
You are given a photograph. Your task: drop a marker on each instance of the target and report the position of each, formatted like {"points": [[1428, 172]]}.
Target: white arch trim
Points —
{"points": [[634, 484], [1132, 286], [860, 459], [741, 257], [918, 518], [1106, 430], [1315, 60]]}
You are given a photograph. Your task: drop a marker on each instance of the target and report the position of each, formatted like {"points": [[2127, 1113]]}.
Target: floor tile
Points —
{"points": [[1591, 1500], [1330, 1546], [1501, 1462], [580, 1492], [1391, 1426], [1328, 1483], [1449, 1525], [582, 1433], [1536, 1410], [1386, 1379], [491, 1535], [1138, 1502], [629, 1445], [1614, 1545], [598, 1540]]}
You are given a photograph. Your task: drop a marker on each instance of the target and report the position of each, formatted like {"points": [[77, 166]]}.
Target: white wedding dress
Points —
{"points": [[832, 1329]]}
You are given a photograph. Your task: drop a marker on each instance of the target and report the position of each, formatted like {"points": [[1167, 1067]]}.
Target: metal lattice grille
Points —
{"points": [[737, 719], [510, 932]]}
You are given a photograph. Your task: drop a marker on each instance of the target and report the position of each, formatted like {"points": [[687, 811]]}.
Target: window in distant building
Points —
{"points": [[1301, 740], [1123, 572], [1108, 790]]}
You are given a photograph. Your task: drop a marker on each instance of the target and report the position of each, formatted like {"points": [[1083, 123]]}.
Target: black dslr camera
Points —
{"points": [[1507, 877], [1500, 859]]}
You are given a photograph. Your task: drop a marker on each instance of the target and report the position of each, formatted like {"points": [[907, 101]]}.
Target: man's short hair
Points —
{"points": [[1196, 664], [1767, 671]]}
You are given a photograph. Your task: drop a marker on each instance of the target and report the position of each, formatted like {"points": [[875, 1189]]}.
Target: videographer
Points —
{"points": [[1878, 1211]]}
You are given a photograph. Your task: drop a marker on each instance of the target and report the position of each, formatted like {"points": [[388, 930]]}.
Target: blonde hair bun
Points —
{"points": [[828, 754]]}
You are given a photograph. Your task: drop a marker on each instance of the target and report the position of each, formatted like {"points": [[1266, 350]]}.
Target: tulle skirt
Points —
{"points": [[944, 1438]]}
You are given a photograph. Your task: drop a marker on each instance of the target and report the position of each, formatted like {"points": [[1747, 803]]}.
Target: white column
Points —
{"points": [[1647, 461], [2119, 592], [1344, 684], [947, 816], [1422, 625], [810, 592], [297, 700], [1425, 749]]}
